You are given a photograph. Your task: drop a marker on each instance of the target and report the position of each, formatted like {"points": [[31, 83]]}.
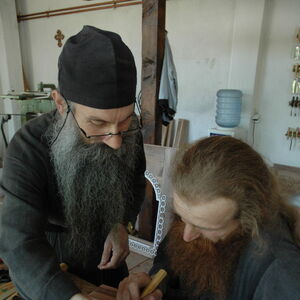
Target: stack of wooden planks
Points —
{"points": [[175, 134], [8, 291]]}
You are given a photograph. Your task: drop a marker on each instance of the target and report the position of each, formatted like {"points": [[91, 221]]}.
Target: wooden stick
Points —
{"points": [[156, 280], [12, 296], [170, 137], [6, 286], [7, 293], [5, 283]]}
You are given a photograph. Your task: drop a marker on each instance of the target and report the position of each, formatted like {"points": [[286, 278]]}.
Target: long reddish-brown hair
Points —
{"points": [[222, 166]]}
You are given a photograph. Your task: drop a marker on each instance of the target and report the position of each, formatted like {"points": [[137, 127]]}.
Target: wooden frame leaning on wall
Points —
{"points": [[142, 246]]}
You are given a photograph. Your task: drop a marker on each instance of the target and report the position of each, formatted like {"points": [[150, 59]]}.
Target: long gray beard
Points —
{"points": [[95, 182]]}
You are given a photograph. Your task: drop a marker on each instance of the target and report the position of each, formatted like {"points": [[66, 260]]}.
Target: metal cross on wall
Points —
{"points": [[59, 37]]}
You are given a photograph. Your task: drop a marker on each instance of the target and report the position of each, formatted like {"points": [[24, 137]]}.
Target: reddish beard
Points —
{"points": [[202, 265]]}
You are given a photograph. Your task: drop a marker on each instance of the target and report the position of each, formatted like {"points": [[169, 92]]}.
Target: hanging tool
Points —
{"points": [[4, 119], [295, 106], [289, 136], [291, 103], [297, 143]]}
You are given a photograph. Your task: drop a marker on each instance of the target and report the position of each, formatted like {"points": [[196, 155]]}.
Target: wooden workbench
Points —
{"points": [[103, 292]]}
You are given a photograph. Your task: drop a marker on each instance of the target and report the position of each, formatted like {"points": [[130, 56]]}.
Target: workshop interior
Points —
{"points": [[204, 68]]}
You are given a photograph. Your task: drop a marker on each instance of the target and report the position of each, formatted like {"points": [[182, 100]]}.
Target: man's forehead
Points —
{"points": [[210, 214], [105, 114]]}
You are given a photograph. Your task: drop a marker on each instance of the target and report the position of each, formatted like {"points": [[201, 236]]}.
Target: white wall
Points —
{"points": [[39, 48], [216, 44], [274, 82], [200, 34], [11, 66]]}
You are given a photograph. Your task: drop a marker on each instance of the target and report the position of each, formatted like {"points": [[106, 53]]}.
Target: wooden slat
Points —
{"points": [[180, 138], [164, 134], [104, 292], [11, 297], [7, 289], [170, 136]]}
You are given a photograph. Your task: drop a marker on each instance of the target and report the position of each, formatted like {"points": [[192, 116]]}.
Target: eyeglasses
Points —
{"points": [[134, 127]]}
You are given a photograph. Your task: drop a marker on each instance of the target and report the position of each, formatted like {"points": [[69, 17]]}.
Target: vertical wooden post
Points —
{"points": [[153, 44]]}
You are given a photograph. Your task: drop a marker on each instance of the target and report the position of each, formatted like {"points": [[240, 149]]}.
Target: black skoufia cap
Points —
{"points": [[97, 69]]}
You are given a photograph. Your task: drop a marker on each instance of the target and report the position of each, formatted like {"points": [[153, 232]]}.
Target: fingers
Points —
{"points": [[130, 287], [112, 264], [116, 259], [156, 295], [116, 248], [105, 255]]}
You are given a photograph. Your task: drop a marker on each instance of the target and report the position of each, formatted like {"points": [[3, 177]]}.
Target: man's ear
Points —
{"points": [[60, 102]]}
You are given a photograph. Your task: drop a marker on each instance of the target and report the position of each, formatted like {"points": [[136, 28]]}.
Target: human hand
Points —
{"points": [[131, 288], [115, 248]]}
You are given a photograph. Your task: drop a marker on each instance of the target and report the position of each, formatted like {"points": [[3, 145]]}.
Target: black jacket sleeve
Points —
{"points": [[280, 280], [32, 262]]}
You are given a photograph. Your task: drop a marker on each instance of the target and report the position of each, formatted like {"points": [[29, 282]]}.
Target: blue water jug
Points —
{"points": [[229, 106]]}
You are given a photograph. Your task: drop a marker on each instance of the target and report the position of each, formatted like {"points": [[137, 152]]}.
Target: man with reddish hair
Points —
{"points": [[232, 236]]}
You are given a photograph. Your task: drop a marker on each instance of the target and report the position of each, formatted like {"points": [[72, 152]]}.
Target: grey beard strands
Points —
{"points": [[94, 182]]}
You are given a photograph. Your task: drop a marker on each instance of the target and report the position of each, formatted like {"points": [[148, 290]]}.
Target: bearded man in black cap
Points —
{"points": [[73, 178]]}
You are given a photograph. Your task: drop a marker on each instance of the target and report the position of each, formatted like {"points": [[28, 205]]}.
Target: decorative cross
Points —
{"points": [[59, 37]]}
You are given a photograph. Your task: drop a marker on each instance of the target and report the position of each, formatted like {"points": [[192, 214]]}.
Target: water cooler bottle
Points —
{"points": [[228, 113]]}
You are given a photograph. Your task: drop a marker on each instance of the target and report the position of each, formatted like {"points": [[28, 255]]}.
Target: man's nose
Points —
{"points": [[190, 233], [114, 141]]}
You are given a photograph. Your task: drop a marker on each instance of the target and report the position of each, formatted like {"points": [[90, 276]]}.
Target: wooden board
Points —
{"points": [[104, 292], [7, 289], [170, 134], [85, 286], [164, 134], [181, 134], [175, 134]]}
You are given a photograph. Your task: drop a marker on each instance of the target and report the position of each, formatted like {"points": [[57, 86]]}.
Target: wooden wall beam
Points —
{"points": [[153, 44]]}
